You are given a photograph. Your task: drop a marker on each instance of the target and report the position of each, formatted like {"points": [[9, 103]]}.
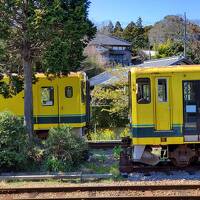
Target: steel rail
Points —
{"points": [[122, 198], [98, 188]]}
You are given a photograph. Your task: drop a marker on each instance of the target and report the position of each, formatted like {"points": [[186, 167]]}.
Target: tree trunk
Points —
{"points": [[28, 94], [26, 59]]}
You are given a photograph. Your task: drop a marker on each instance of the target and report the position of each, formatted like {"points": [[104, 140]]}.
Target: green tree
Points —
{"points": [[118, 30], [168, 49], [110, 106], [130, 31], [74, 30], [53, 32], [134, 33], [139, 23], [111, 101]]}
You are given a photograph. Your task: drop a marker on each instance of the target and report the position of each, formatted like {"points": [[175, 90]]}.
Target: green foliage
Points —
{"points": [[118, 30], [13, 86], [168, 33], [54, 164], [125, 133], [64, 151], [116, 152], [168, 49], [92, 67], [13, 143], [135, 33], [172, 28], [96, 168], [102, 134], [110, 105], [64, 53], [101, 157], [114, 170], [102, 169], [52, 33], [54, 40]]}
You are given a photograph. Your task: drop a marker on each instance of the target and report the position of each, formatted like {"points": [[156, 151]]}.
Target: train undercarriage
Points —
{"points": [[179, 155]]}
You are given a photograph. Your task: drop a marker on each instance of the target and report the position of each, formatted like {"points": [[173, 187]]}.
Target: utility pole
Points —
{"points": [[185, 35], [149, 51]]}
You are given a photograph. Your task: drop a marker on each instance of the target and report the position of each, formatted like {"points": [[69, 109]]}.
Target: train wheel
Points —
{"points": [[182, 156]]}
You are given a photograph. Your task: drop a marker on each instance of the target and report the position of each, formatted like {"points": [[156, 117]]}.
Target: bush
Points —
{"points": [[13, 142], [92, 67], [110, 105], [125, 133], [102, 134], [64, 150], [116, 152]]}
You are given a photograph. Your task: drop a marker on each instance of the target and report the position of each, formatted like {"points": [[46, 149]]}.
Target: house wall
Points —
{"points": [[95, 55], [108, 56], [121, 57]]}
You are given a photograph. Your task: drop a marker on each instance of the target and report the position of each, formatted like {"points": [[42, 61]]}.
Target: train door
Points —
{"points": [[162, 104], [69, 103], [48, 115], [191, 110]]}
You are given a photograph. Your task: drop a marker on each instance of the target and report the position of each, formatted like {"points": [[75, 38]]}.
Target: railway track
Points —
{"points": [[167, 168], [98, 188], [122, 198], [125, 192]]}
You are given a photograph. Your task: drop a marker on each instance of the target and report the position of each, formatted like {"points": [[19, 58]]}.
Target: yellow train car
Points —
{"points": [[164, 115], [58, 101]]}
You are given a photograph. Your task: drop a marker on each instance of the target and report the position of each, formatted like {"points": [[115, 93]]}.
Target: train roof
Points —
{"points": [[71, 74], [166, 69]]}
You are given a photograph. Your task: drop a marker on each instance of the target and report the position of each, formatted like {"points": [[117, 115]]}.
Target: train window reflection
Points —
{"points": [[162, 90], [68, 92], [47, 96], [143, 90]]}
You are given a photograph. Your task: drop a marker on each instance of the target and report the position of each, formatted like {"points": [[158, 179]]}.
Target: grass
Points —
{"points": [[103, 162], [102, 169]]}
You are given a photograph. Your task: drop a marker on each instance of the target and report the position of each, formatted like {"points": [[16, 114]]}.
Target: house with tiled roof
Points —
{"points": [[109, 50]]}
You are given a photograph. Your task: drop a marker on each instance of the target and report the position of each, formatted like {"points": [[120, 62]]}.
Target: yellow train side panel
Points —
{"points": [[157, 141], [62, 110], [153, 125]]}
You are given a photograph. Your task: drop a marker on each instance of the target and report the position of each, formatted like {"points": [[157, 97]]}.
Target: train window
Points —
{"points": [[47, 96], [143, 90], [162, 90], [83, 92], [68, 91]]}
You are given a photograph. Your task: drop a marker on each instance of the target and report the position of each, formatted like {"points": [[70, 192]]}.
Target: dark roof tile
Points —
{"points": [[102, 39]]}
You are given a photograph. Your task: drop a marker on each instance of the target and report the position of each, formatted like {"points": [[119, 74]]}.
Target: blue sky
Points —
{"points": [[150, 10]]}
